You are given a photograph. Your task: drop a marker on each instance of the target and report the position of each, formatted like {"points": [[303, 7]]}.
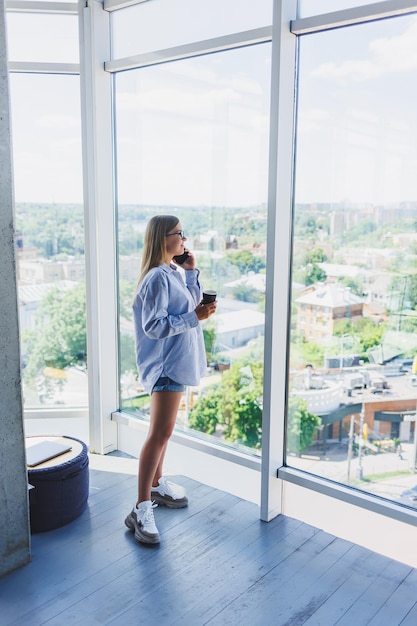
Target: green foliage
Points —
{"points": [[307, 226], [234, 405], [126, 295], [364, 331], [304, 225], [249, 227], [205, 414], [130, 243], [209, 335], [369, 333], [247, 294], [242, 393], [127, 354], [409, 325], [51, 228], [411, 291], [246, 261], [316, 256], [362, 232], [355, 285], [301, 427], [303, 352], [314, 274], [309, 272], [60, 337]]}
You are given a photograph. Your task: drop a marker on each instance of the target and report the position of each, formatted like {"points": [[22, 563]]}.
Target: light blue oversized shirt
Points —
{"points": [[168, 335]]}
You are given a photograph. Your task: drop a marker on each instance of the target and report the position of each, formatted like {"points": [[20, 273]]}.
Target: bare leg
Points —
{"points": [[164, 408], [159, 469]]}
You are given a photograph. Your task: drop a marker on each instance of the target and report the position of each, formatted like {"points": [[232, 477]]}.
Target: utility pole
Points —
{"points": [[350, 446], [359, 471], [413, 418]]}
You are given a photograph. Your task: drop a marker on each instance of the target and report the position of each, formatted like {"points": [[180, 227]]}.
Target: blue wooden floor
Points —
{"points": [[217, 564]]}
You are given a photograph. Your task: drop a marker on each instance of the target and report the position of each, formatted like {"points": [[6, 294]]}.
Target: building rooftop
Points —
{"points": [[329, 295]]}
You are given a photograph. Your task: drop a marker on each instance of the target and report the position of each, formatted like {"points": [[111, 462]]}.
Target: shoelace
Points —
{"points": [[148, 515]]}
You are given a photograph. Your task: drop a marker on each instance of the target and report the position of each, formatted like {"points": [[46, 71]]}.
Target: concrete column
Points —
{"points": [[14, 510]]}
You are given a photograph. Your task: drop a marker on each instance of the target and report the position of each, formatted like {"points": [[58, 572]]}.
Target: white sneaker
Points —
{"points": [[142, 521], [169, 494]]}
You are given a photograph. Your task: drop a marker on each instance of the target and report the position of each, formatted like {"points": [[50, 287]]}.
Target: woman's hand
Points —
{"points": [[204, 311]]}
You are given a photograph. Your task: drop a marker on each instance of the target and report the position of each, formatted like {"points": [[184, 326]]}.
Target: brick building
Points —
{"points": [[320, 306]]}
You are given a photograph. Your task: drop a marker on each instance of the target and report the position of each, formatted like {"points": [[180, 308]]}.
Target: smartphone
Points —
{"points": [[180, 258]]}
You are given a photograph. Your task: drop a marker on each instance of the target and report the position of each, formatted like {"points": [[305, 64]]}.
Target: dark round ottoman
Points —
{"points": [[61, 485]]}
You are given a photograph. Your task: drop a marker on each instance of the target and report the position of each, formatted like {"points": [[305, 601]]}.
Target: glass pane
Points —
{"points": [[162, 23], [307, 8], [50, 2], [50, 238], [353, 384], [42, 37], [192, 139]]}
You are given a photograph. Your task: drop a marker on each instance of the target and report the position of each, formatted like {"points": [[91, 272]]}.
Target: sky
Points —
{"points": [[357, 129], [196, 132]]}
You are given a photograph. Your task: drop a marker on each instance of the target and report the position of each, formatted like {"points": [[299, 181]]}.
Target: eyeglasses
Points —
{"points": [[179, 232]]}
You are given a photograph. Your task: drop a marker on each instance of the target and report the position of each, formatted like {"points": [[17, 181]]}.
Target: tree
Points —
{"points": [[246, 261], [303, 351], [365, 333], [301, 427], [354, 284], [316, 255], [245, 293], [205, 414], [234, 405], [314, 274], [126, 295], [209, 335], [60, 337], [242, 402], [127, 354]]}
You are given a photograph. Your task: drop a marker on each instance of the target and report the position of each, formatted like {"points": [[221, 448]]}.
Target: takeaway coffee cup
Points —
{"points": [[209, 296]]}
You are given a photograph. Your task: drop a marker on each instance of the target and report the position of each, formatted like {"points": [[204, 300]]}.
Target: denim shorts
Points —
{"points": [[164, 383]]}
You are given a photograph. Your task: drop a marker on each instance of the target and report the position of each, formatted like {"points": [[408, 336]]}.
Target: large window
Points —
{"points": [[47, 160], [43, 37], [307, 8], [192, 139], [353, 346], [161, 24]]}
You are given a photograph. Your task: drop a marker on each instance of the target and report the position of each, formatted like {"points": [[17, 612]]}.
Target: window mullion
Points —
{"points": [[278, 254], [99, 227]]}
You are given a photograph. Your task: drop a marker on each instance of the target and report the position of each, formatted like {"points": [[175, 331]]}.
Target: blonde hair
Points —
{"points": [[154, 245]]}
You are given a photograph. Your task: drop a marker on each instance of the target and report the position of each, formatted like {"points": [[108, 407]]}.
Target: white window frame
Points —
{"points": [[362, 505]]}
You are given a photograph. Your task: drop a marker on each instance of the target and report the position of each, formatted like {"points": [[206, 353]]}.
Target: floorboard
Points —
{"points": [[217, 564]]}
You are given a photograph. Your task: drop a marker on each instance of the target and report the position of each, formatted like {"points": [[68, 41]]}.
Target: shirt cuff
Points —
{"points": [[190, 319], [191, 276]]}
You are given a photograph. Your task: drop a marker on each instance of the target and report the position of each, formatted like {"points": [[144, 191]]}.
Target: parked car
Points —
{"points": [[410, 494]]}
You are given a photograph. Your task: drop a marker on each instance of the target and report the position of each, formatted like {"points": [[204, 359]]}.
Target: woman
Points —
{"points": [[170, 354]]}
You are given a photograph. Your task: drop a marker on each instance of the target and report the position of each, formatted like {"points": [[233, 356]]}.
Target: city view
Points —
{"points": [[352, 383], [353, 346], [192, 137]]}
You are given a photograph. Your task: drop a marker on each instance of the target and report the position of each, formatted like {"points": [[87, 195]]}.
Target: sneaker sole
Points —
{"points": [[139, 535], [145, 538], [169, 503]]}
